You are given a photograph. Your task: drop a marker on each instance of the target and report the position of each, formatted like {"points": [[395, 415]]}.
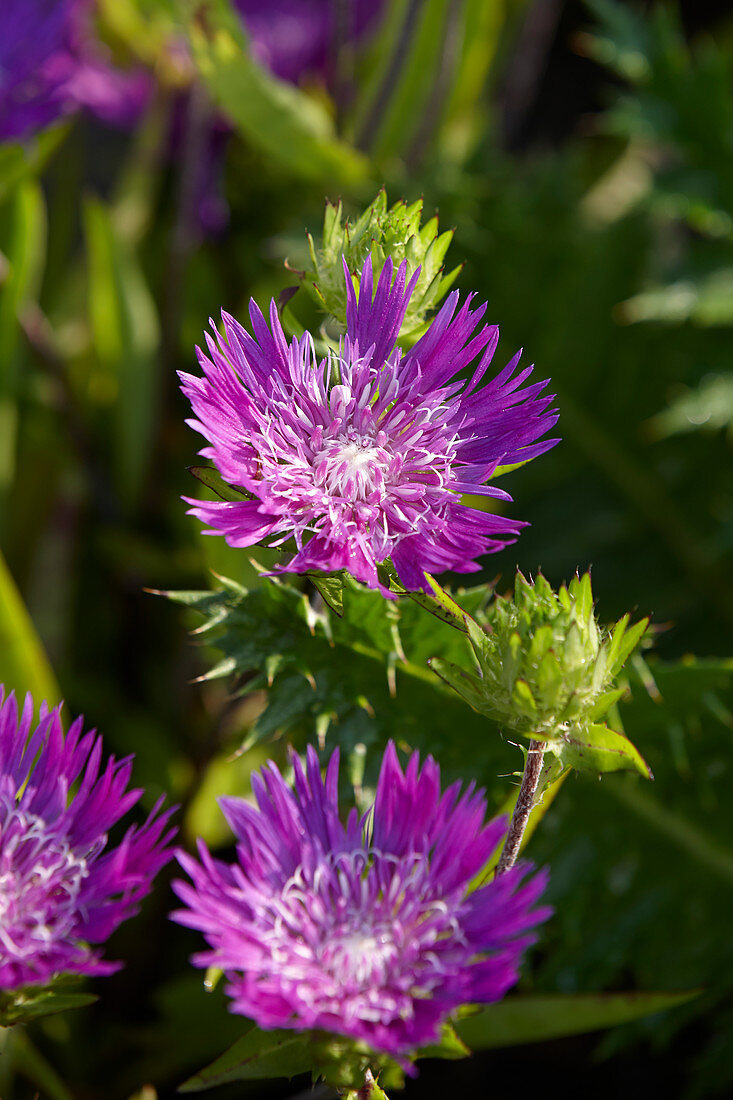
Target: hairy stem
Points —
{"points": [[523, 807]]}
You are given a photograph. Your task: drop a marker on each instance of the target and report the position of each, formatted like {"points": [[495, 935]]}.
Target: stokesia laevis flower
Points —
{"points": [[51, 64], [365, 929], [364, 455], [63, 887]]}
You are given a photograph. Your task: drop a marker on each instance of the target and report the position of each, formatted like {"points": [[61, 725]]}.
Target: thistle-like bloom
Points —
{"points": [[63, 887], [364, 456], [51, 64], [366, 930]]}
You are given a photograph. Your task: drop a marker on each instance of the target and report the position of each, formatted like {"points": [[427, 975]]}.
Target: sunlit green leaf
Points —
{"points": [[24, 258], [289, 126], [24, 665]]}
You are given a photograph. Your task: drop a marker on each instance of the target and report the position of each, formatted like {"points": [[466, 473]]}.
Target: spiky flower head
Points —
{"points": [[63, 887], [51, 64], [547, 670], [366, 929], [380, 232], [361, 457]]}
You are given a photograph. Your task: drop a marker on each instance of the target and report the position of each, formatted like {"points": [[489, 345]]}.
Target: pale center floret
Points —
{"points": [[40, 881], [352, 467], [359, 956]]}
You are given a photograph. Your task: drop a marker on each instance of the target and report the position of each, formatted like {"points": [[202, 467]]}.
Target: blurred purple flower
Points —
{"points": [[368, 929], [62, 886], [363, 456], [297, 38], [51, 65]]}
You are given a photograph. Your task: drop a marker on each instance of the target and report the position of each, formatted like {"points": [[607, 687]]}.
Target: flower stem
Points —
{"points": [[523, 807]]}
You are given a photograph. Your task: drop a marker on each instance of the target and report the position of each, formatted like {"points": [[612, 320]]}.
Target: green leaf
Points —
{"points": [[24, 1059], [212, 479], [20, 1006], [597, 748], [624, 641], [258, 1054], [707, 408], [464, 683], [18, 161], [442, 605], [25, 255], [355, 677], [331, 588], [290, 127], [126, 336], [450, 1046], [534, 1018], [24, 665]]}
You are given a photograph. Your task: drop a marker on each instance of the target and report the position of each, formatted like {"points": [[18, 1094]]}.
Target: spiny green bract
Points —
{"points": [[546, 664], [546, 670], [381, 233]]}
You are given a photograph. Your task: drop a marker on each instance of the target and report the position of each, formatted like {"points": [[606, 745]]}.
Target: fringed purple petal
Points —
{"points": [[361, 458], [63, 886]]}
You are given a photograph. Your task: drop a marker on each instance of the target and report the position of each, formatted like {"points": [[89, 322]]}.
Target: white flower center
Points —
{"points": [[351, 468], [40, 881], [359, 956]]}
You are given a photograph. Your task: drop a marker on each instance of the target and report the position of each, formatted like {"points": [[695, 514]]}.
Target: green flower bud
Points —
{"points": [[546, 670], [380, 232]]}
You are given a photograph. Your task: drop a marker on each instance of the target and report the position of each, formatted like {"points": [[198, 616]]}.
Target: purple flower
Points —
{"points": [[364, 456], [62, 886], [51, 65], [367, 929], [296, 38]]}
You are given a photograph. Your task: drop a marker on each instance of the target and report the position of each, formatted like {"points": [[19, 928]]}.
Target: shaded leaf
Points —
{"points": [[212, 479], [20, 1006], [257, 1054], [331, 588], [532, 1019]]}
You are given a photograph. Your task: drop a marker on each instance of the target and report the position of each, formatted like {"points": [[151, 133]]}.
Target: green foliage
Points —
{"points": [[19, 162], [356, 676], [24, 665], [126, 336], [20, 1006], [293, 129], [23, 261], [681, 101], [340, 1062], [546, 671], [380, 232], [532, 1018], [589, 235], [707, 408], [642, 892]]}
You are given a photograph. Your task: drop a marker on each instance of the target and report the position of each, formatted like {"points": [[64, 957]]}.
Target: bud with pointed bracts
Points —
{"points": [[381, 233]]}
